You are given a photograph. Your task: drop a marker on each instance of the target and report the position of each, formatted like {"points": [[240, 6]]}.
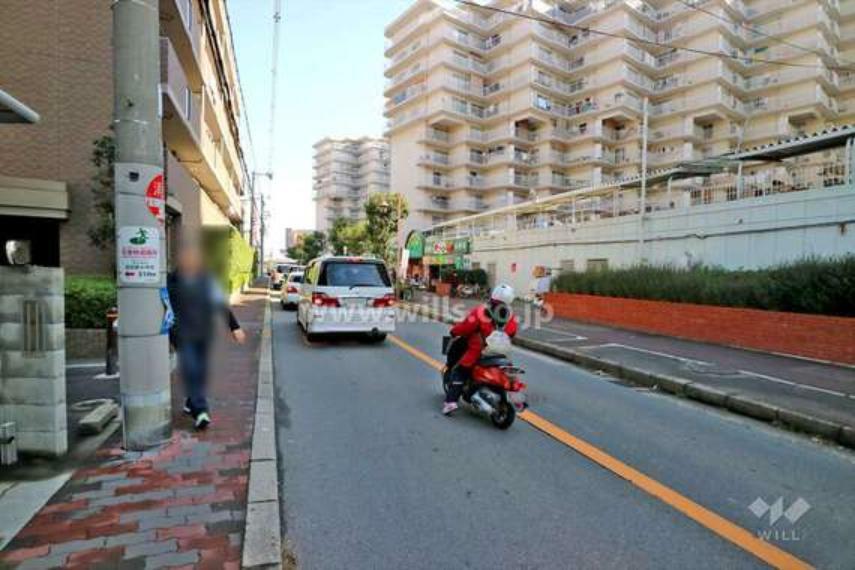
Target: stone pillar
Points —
{"points": [[32, 357]]}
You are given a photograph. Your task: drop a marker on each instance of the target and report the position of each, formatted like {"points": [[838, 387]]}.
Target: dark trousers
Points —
{"points": [[193, 360], [459, 376]]}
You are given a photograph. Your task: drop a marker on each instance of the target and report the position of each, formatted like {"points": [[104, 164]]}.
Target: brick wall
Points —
{"points": [[812, 336], [57, 58]]}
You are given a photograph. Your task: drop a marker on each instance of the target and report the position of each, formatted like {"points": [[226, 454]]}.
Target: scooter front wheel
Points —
{"points": [[504, 415]]}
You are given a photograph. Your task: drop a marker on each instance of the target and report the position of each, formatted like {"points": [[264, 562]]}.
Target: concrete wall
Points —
{"points": [[748, 233], [32, 382]]}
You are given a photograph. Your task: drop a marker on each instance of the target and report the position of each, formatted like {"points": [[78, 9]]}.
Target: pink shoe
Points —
{"points": [[448, 408]]}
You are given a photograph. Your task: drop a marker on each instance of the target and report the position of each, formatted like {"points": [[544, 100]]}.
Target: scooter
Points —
{"points": [[494, 388]]}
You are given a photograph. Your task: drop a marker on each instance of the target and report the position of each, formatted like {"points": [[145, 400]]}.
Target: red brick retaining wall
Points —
{"points": [[813, 336]]}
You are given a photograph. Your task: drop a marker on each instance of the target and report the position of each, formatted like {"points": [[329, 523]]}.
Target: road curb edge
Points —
{"points": [[262, 540]]}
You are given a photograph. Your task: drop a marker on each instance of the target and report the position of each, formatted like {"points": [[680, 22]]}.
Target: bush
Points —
{"points": [[87, 299], [817, 286], [229, 257]]}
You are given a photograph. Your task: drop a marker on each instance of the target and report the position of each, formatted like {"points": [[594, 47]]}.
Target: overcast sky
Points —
{"points": [[330, 84]]}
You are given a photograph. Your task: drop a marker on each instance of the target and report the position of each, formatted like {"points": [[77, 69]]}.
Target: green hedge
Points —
{"points": [[87, 299], [229, 257], [817, 286]]}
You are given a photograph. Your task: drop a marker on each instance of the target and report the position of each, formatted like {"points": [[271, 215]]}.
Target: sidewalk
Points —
{"points": [[183, 504], [809, 396]]}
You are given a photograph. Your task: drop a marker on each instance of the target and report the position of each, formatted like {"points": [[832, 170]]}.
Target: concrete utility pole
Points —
{"points": [[140, 218]]}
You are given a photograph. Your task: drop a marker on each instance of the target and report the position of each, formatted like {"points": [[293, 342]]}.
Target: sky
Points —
{"points": [[330, 84]]}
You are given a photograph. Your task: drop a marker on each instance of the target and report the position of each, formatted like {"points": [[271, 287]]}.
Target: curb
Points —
{"points": [[262, 540], [732, 401]]}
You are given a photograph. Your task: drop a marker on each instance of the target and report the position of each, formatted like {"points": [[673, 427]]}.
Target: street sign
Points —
{"points": [[138, 253], [155, 198]]}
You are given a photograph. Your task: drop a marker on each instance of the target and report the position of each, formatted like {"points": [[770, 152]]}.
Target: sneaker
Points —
{"points": [[203, 420], [448, 408]]}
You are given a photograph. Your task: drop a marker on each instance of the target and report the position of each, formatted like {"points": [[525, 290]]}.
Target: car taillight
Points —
{"points": [[387, 300], [324, 300], [292, 289]]}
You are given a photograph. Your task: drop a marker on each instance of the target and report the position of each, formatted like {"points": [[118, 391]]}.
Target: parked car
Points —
{"points": [[289, 294], [347, 294]]}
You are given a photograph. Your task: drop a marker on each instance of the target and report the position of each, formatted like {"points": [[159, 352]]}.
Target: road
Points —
{"points": [[374, 477]]}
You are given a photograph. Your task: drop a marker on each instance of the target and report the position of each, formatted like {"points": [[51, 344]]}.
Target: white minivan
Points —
{"points": [[347, 295]]}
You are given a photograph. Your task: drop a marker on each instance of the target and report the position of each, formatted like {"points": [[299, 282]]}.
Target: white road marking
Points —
{"points": [[562, 332], [656, 353], [795, 384], [86, 365]]}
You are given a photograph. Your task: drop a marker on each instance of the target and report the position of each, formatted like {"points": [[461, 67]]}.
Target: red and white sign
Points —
{"points": [[155, 198]]}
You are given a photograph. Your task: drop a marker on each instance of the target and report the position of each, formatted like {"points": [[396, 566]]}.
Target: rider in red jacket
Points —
{"points": [[475, 328]]}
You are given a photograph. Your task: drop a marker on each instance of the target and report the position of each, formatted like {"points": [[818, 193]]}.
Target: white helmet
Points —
{"points": [[503, 293]]}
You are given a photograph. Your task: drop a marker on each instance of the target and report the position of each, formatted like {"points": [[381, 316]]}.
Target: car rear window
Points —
{"points": [[283, 268], [295, 278], [354, 274]]}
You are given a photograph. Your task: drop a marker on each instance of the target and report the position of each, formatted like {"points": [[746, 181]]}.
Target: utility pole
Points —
{"points": [[140, 219]]}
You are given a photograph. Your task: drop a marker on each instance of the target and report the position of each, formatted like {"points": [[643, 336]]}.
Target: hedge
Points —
{"points": [[229, 257], [816, 286], [87, 299]]}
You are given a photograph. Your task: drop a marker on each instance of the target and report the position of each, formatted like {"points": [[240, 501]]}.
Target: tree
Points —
{"points": [[312, 245], [102, 232], [347, 237], [381, 226]]}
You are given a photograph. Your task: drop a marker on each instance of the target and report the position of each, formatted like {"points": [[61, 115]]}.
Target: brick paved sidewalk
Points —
{"points": [[181, 505]]}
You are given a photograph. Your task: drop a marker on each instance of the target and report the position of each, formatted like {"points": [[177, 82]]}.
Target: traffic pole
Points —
{"points": [[140, 219]]}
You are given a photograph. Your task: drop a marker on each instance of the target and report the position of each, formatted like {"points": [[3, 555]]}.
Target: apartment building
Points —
{"points": [[58, 57], [486, 109], [346, 171]]}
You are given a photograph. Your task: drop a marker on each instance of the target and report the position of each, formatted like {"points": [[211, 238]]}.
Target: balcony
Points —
{"points": [[433, 182], [183, 28], [404, 96], [182, 109], [436, 137], [434, 160]]}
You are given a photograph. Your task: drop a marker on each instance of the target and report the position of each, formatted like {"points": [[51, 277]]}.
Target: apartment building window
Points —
{"points": [[568, 265], [599, 264], [460, 105], [542, 102]]}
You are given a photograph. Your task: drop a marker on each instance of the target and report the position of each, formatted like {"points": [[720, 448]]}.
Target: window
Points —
{"points": [[354, 274], [568, 266], [597, 265]]}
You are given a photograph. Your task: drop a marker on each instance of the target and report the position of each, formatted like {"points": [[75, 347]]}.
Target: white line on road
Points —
{"points": [[656, 353], [796, 384], [86, 365]]}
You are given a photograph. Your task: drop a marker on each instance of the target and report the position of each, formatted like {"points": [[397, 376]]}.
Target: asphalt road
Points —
{"points": [[374, 477]]}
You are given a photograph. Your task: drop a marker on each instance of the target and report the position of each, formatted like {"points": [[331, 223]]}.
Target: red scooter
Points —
{"points": [[494, 388]]}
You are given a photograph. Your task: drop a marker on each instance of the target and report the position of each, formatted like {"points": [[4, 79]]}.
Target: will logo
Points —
{"points": [[776, 510]]}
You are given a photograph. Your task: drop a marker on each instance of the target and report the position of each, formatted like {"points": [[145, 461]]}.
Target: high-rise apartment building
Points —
{"points": [[346, 172], [486, 109], [57, 56]]}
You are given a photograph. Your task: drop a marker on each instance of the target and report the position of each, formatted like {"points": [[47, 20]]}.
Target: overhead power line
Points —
{"points": [[720, 55], [758, 31]]}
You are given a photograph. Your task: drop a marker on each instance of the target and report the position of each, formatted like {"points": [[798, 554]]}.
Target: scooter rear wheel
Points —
{"points": [[504, 415]]}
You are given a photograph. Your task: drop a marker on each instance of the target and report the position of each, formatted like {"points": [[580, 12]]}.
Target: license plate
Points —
{"points": [[356, 302]]}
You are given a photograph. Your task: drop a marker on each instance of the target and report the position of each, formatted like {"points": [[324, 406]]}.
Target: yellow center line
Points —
{"points": [[765, 551]]}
